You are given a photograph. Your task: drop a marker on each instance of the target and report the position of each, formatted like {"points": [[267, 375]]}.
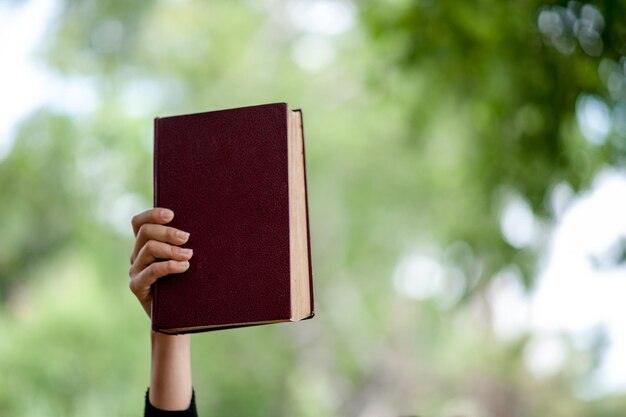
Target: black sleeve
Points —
{"points": [[151, 411]]}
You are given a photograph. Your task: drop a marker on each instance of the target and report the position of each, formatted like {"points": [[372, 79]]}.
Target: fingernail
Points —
{"points": [[183, 264], [167, 214], [181, 234], [186, 251]]}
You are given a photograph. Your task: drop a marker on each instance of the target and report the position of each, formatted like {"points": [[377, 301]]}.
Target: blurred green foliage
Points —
{"points": [[425, 118], [507, 76]]}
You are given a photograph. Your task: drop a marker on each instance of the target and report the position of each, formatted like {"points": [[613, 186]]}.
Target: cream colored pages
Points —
{"points": [[299, 260]]}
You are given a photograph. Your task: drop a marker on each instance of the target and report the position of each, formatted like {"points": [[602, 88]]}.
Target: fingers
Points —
{"points": [[156, 215], [154, 250], [154, 242], [140, 283], [149, 231]]}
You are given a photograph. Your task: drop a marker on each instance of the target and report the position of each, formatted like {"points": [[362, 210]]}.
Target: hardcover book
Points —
{"points": [[236, 181]]}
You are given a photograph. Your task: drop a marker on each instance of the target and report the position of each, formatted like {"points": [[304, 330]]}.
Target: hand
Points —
{"points": [[156, 253]]}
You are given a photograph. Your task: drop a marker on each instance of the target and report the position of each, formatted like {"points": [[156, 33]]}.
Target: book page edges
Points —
{"points": [[298, 236], [308, 228]]}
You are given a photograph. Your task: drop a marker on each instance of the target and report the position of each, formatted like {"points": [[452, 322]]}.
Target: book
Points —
{"points": [[236, 181]]}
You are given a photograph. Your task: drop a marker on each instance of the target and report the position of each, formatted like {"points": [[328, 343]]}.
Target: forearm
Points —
{"points": [[170, 378]]}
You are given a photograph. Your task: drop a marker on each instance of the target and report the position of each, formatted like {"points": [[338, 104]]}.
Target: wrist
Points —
{"points": [[170, 352], [172, 341], [170, 381]]}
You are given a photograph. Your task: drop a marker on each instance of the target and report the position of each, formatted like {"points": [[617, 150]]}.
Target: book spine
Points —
{"points": [[155, 203], [308, 229]]}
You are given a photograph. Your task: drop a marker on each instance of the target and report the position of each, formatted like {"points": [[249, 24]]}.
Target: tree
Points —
{"points": [[495, 90]]}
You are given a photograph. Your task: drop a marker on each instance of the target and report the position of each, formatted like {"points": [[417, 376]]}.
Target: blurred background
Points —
{"points": [[467, 202]]}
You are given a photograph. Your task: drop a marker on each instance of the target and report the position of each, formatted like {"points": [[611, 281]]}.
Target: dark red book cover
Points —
{"points": [[224, 174]]}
